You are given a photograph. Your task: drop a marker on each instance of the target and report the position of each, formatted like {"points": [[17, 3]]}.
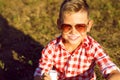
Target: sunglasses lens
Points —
{"points": [[80, 27], [66, 27]]}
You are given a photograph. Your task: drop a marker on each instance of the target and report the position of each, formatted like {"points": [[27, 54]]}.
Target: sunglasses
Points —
{"points": [[78, 27]]}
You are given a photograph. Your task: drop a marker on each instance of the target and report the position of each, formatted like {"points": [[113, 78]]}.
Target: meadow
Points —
{"points": [[26, 26]]}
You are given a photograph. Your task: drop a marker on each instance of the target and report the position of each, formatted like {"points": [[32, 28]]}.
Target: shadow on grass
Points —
{"points": [[19, 53]]}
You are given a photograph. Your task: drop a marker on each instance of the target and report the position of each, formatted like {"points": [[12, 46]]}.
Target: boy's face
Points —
{"points": [[74, 27]]}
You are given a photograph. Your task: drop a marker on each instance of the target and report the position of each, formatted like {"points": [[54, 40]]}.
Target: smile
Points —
{"points": [[73, 37]]}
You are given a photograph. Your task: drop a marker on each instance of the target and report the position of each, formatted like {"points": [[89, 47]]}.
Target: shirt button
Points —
{"points": [[68, 71], [72, 55]]}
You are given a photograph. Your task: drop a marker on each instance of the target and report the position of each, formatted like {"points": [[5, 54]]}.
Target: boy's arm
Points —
{"points": [[109, 70], [44, 77], [114, 75], [45, 63]]}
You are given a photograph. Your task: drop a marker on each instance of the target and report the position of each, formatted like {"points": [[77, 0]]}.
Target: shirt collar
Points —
{"points": [[86, 42], [60, 42]]}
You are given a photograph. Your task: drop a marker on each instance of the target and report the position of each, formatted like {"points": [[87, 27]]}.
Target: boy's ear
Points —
{"points": [[90, 24]]}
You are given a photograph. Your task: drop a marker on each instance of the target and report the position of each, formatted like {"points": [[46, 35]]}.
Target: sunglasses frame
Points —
{"points": [[78, 27]]}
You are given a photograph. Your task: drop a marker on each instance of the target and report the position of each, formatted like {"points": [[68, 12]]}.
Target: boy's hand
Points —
{"points": [[46, 77], [115, 75]]}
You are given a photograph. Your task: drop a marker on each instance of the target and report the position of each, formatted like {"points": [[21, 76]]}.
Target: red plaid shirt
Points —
{"points": [[78, 65]]}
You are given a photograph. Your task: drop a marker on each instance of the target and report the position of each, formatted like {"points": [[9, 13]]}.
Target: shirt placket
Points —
{"points": [[68, 66], [70, 61]]}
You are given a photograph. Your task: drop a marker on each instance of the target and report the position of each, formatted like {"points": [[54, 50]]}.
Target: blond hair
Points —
{"points": [[70, 6]]}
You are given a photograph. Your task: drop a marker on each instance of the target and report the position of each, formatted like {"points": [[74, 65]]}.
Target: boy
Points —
{"points": [[74, 54]]}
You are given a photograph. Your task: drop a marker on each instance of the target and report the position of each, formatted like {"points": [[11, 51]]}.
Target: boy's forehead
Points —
{"points": [[82, 14], [75, 18]]}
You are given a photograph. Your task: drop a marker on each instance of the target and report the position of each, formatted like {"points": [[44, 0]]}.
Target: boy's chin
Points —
{"points": [[75, 42]]}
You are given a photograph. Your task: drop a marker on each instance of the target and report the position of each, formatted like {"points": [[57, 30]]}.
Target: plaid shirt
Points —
{"points": [[76, 65]]}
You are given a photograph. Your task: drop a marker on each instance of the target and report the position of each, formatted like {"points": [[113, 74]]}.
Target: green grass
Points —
{"points": [[26, 26]]}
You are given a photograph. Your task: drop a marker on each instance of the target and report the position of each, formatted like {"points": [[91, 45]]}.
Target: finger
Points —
{"points": [[46, 76]]}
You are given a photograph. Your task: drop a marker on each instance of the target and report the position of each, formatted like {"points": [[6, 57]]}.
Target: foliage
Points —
{"points": [[26, 26]]}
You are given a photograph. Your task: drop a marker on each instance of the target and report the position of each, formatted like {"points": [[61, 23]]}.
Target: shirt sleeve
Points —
{"points": [[46, 62], [103, 61]]}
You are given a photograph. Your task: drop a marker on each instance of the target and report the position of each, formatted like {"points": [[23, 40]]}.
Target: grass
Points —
{"points": [[26, 26]]}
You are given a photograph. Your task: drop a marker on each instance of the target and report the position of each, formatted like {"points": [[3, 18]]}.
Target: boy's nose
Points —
{"points": [[73, 30]]}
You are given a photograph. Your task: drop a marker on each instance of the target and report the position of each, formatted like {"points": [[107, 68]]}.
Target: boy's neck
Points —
{"points": [[70, 47]]}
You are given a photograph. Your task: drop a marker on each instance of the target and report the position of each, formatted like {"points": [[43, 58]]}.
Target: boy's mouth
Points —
{"points": [[73, 37]]}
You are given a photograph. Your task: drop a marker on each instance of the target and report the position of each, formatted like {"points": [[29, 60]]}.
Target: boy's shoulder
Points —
{"points": [[55, 41], [90, 41]]}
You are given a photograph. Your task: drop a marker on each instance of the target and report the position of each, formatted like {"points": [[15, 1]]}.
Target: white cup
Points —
{"points": [[53, 74]]}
